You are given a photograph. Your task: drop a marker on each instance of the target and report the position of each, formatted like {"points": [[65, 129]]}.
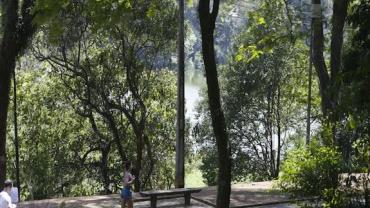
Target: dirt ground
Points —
{"points": [[258, 194]]}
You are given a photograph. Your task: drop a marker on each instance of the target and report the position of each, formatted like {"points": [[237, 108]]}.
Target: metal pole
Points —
{"points": [[16, 141], [180, 127]]}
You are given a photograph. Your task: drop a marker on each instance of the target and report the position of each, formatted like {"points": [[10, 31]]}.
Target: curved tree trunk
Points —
{"points": [[207, 24], [319, 61]]}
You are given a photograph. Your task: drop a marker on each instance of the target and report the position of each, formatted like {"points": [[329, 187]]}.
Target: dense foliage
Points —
{"points": [[104, 97], [308, 171], [264, 95], [96, 88], [61, 154]]}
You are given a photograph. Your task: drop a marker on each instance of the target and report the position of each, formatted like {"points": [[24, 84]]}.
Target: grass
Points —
{"points": [[193, 175], [194, 179]]}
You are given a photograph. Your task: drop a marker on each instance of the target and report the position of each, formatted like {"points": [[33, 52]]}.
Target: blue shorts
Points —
{"points": [[126, 193]]}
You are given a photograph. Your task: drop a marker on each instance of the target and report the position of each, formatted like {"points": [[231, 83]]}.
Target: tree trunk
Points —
{"points": [[271, 104], [319, 61], [104, 168], [8, 55], [16, 139], [4, 102], [139, 158], [180, 125], [367, 188], [151, 162], [14, 41], [278, 123], [339, 16], [116, 137], [207, 24], [329, 99], [309, 94]]}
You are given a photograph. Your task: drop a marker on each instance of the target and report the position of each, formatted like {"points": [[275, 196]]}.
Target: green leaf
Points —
{"points": [[261, 21]]}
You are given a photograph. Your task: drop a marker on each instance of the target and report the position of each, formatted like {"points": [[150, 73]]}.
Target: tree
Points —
{"points": [[62, 155], [328, 82], [346, 108], [17, 29], [54, 140], [89, 56], [207, 17], [354, 100], [180, 125], [264, 117]]}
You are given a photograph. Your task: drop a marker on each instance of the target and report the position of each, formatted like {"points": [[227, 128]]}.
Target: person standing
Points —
{"points": [[5, 199], [126, 194]]}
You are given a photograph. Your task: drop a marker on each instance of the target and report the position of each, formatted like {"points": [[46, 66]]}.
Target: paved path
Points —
{"points": [[110, 201], [246, 194], [243, 195], [171, 203], [279, 206]]}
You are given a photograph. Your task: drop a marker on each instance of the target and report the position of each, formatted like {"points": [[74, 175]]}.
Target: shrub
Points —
{"points": [[309, 171], [209, 168]]}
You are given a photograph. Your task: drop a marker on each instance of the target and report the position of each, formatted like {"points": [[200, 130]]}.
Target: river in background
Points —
{"points": [[194, 82]]}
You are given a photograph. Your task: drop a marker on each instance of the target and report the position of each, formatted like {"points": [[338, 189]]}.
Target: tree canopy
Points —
{"points": [[96, 86]]}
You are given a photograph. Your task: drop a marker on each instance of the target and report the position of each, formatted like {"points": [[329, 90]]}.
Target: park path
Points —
{"points": [[247, 194], [243, 195]]}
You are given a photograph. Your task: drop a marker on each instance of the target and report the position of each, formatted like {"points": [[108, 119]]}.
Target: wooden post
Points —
{"points": [[180, 127], [153, 201], [187, 198]]}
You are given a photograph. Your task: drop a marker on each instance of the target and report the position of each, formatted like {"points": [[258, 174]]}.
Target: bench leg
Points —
{"points": [[153, 201], [187, 198]]}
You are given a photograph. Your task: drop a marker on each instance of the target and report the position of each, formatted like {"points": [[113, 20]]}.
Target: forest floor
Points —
{"points": [[255, 194]]}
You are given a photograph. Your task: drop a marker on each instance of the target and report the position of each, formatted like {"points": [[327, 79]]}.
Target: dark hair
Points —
{"points": [[127, 164], [8, 184]]}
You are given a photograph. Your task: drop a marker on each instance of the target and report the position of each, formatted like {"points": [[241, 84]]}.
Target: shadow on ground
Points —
{"points": [[243, 195]]}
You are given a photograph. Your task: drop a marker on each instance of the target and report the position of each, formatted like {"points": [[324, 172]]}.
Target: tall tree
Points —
{"points": [[207, 19], [129, 57], [180, 131], [17, 30], [309, 93], [327, 79]]}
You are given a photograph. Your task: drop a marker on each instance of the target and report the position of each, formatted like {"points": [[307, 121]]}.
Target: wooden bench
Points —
{"points": [[154, 194], [354, 180]]}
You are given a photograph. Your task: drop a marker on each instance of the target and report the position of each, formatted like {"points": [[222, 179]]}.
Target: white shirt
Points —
{"points": [[5, 200], [14, 195]]}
